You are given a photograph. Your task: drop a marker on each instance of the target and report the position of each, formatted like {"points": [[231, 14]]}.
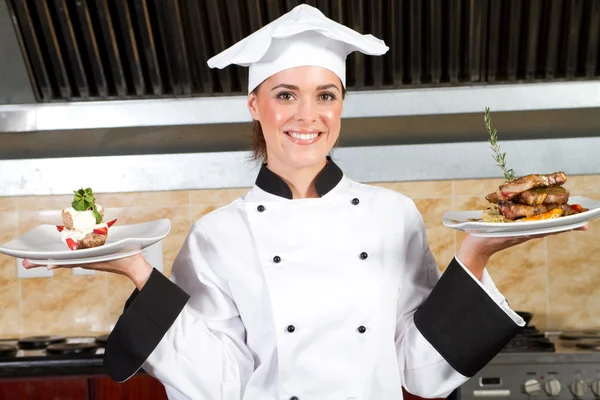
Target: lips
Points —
{"points": [[304, 136]]}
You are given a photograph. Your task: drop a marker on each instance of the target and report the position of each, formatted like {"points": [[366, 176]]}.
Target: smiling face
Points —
{"points": [[300, 111]]}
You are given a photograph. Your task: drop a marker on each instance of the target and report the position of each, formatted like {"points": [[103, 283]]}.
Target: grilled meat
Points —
{"points": [[492, 198], [509, 190], [514, 211], [548, 195]]}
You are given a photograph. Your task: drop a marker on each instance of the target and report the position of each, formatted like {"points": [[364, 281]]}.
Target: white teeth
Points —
{"points": [[303, 136]]}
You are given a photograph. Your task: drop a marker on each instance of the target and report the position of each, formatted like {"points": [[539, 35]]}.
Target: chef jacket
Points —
{"points": [[335, 297]]}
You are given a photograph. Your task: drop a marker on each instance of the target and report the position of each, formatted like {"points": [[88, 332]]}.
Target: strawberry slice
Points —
{"points": [[101, 231], [60, 228], [111, 223], [72, 244]]}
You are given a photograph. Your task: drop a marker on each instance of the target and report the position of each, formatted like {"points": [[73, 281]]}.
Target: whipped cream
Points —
{"points": [[84, 223], [78, 235], [83, 220]]}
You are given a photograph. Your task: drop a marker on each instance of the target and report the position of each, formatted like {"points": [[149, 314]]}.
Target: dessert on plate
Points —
{"points": [[83, 225]]}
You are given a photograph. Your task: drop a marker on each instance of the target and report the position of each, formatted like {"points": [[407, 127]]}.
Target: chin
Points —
{"points": [[306, 159]]}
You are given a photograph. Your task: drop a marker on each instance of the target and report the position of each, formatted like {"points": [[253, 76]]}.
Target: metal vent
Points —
{"points": [[105, 49]]}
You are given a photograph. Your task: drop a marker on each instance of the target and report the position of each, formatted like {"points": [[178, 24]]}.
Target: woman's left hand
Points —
{"points": [[475, 251]]}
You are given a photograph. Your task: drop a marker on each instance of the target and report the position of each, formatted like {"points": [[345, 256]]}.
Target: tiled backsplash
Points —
{"points": [[557, 278]]}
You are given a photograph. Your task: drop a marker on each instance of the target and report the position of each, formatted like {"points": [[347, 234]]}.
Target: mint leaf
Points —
{"points": [[97, 215], [79, 205], [84, 200]]}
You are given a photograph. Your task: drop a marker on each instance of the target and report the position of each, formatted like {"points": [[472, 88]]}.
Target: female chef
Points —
{"points": [[311, 286]]}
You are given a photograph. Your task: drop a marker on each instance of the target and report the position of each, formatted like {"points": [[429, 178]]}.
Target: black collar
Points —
{"points": [[272, 183]]}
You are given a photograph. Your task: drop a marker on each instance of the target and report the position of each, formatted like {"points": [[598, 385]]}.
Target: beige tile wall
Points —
{"points": [[557, 278]]}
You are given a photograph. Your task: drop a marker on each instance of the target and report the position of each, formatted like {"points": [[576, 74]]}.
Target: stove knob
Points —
{"points": [[596, 388], [533, 387], [578, 388], [552, 387]]}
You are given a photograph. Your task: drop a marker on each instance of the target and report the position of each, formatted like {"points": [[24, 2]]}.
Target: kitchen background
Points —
{"points": [[557, 278], [117, 96], [130, 78]]}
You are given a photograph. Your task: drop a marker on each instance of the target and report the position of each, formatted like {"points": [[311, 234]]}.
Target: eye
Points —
{"points": [[285, 96], [327, 96]]}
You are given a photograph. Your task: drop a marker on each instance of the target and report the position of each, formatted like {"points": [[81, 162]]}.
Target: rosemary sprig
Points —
{"points": [[509, 175]]}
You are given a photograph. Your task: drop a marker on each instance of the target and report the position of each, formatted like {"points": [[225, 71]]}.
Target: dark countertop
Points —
{"points": [[39, 363], [50, 366]]}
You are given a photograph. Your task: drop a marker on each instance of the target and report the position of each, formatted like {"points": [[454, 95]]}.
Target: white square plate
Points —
{"points": [[43, 245], [463, 221]]}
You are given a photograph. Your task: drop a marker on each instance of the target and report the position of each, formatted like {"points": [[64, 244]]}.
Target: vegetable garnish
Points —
{"points": [[85, 200]]}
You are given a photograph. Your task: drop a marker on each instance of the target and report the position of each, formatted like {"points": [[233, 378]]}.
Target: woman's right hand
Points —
{"points": [[134, 267]]}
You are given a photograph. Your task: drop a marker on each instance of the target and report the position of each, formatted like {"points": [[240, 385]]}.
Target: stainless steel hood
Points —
{"points": [[87, 50], [99, 77], [362, 104]]}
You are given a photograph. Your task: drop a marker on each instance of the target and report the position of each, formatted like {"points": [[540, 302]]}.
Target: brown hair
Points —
{"points": [[258, 144]]}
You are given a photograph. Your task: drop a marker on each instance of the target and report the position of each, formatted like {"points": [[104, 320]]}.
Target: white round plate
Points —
{"points": [[532, 232], [77, 261], [460, 220], [44, 243]]}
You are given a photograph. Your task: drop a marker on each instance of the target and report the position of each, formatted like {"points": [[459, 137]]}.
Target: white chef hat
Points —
{"points": [[303, 36]]}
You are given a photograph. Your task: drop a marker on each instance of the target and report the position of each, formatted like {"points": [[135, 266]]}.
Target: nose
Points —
{"points": [[306, 112]]}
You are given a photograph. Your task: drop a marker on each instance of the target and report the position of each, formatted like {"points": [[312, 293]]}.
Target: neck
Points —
{"points": [[300, 180]]}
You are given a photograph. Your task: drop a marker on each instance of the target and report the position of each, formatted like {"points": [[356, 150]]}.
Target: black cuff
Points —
{"points": [[147, 318], [131, 298], [463, 323]]}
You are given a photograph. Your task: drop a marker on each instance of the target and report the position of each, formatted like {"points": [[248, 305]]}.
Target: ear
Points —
{"points": [[253, 106]]}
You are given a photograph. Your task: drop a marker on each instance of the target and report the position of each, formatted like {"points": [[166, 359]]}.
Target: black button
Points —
{"points": [[362, 329], [276, 259], [260, 208], [294, 398], [355, 201], [291, 328], [363, 256]]}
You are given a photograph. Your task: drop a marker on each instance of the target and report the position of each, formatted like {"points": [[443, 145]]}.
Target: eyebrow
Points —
{"points": [[293, 87]]}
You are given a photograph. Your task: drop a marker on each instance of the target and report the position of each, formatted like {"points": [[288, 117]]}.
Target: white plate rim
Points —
{"points": [[64, 255], [540, 231], [526, 226], [78, 261]]}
